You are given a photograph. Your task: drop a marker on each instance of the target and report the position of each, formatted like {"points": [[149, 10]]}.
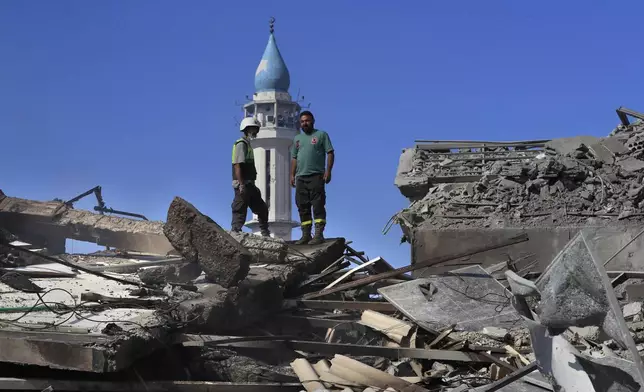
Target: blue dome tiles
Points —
{"points": [[272, 74]]}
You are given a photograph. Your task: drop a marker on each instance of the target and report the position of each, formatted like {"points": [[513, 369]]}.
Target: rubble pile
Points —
{"points": [[569, 181], [185, 305]]}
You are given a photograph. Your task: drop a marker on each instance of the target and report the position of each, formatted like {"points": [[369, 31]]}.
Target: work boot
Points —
{"points": [[319, 235], [306, 236], [265, 233]]}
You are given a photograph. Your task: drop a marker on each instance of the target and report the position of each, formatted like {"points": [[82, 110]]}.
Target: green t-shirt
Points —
{"points": [[310, 152]]}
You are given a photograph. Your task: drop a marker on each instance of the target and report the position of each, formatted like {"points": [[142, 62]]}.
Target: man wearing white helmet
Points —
{"points": [[244, 176]]}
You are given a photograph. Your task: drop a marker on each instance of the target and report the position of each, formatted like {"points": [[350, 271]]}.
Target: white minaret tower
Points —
{"points": [[278, 115]]}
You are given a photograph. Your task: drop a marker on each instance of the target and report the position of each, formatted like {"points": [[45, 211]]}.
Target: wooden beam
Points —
{"points": [[332, 305], [427, 263], [315, 322], [510, 378], [34, 384], [337, 348]]}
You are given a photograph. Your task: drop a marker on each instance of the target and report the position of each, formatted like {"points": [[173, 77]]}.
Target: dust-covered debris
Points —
{"points": [[200, 239], [578, 180]]}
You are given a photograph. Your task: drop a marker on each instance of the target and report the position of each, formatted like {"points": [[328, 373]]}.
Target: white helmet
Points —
{"points": [[248, 122]]}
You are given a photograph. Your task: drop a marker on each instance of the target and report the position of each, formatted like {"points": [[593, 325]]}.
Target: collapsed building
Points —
{"points": [[525, 275]]}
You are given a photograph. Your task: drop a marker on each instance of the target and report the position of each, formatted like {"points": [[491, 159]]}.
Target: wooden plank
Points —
{"points": [[510, 378], [327, 272], [133, 267], [416, 266], [332, 305], [339, 348], [34, 384], [315, 322]]}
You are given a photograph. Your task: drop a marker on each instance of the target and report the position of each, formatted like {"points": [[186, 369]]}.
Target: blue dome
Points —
{"points": [[272, 74]]}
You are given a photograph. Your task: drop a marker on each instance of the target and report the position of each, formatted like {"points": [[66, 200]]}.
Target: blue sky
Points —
{"points": [[140, 96]]}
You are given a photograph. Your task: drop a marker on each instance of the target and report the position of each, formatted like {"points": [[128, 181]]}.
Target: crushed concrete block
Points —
{"points": [[222, 310], [411, 186], [509, 185], [631, 164], [160, 275], [591, 333], [415, 187], [216, 364], [636, 194], [614, 145], [198, 238], [569, 145], [265, 250], [602, 153], [632, 309], [496, 333], [521, 287], [634, 292]]}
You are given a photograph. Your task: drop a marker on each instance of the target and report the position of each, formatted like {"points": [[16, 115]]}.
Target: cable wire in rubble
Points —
{"points": [[74, 265], [60, 309]]}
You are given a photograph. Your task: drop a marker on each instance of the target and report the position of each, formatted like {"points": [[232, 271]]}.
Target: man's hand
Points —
{"points": [[327, 176], [241, 188], [293, 181]]}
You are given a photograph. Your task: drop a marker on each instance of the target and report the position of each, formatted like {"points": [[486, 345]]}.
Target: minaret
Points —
{"points": [[278, 115]]}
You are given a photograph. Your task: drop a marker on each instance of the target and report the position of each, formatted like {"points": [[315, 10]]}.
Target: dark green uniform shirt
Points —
{"points": [[310, 152]]}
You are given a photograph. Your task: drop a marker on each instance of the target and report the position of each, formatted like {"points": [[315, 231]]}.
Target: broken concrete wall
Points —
{"points": [[200, 239], [551, 189], [261, 293], [264, 249], [48, 224], [543, 246]]}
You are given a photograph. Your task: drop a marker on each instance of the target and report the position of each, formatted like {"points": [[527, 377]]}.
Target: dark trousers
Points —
{"points": [[251, 197], [310, 193]]}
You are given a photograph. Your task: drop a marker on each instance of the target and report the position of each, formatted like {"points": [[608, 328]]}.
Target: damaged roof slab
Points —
{"points": [[52, 222]]}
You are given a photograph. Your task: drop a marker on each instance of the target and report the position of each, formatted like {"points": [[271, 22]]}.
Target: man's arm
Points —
{"points": [[238, 173], [293, 170], [293, 162], [238, 159], [330, 157]]}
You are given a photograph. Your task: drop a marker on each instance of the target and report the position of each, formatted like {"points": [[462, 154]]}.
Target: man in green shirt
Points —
{"points": [[310, 151], [244, 176]]}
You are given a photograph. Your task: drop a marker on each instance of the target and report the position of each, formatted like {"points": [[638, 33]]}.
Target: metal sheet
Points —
{"points": [[468, 297]]}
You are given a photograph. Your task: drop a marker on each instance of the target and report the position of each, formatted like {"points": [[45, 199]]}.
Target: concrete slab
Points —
{"points": [[200, 239], [410, 185], [468, 297], [48, 224], [85, 339], [568, 145], [222, 310], [614, 145], [264, 250]]}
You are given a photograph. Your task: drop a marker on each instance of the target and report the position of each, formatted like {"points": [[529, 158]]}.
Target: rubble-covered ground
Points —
{"points": [[581, 180], [185, 305]]}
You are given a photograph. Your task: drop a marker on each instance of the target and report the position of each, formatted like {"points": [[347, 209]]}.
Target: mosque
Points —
{"points": [[278, 116]]}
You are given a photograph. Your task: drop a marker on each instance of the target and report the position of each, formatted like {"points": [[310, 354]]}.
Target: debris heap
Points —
{"points": [[185, 305], [569, 181]]}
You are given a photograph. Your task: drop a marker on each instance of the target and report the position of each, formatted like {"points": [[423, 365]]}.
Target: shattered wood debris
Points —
{"points": [[185, 305]]}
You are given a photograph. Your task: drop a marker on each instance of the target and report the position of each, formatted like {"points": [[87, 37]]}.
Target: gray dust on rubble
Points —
{"points": [[579, 180]]}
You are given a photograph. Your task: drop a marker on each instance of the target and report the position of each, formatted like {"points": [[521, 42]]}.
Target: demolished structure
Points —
{"points": [[526, 275]]}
